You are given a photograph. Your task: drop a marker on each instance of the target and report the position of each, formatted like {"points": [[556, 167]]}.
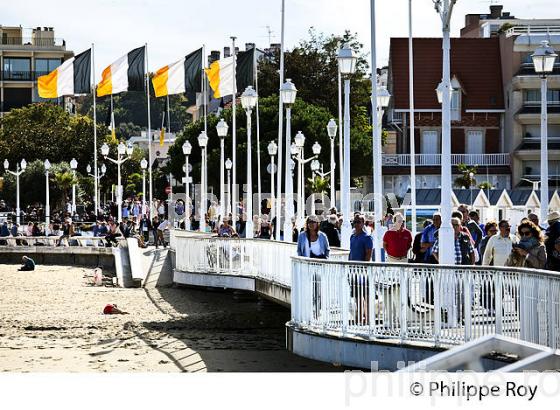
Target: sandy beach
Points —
{"points": [[51, 321]]}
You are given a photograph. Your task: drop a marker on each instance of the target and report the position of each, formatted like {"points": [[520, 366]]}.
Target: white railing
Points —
{"points": [[529, 29], [257, 258], [396, 160], [438, 305]]}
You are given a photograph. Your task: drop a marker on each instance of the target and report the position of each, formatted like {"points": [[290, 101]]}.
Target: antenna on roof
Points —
{"points": [[270, 34]]}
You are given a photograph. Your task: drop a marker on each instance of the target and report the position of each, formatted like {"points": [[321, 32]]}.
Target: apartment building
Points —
{"points": [[518, 40], [477, 113], [26, 54]]}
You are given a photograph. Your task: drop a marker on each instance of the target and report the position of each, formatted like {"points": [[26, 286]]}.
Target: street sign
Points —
{"points": [[184, 182]]}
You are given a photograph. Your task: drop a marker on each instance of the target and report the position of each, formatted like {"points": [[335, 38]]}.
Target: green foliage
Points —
{"points": [[485, 185], [319, 185], [465, 179], [46, 131]]}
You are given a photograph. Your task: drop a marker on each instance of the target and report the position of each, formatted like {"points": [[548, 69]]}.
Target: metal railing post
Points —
{"points": [[467, 303], [403, 278], [437, 307], [498, 280]]}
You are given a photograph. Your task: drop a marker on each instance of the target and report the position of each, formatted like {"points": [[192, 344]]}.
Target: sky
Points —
{"points": [[173, 28]]}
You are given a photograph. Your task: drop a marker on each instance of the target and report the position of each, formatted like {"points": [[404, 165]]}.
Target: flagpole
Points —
{"points": [[95, 183], [168, 115], [340, 154], [411, 116], [259, 194], [280, 135], [149, 134], [204, 170], [235, 192]]}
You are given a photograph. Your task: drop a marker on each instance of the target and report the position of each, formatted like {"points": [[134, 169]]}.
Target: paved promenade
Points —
{"points": [[51, 320]]}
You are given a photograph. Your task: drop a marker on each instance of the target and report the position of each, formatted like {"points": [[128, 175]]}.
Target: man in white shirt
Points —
{"points": [[499, 246], [162, 227]]}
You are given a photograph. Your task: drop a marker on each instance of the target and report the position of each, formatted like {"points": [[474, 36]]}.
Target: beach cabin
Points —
{"points": [[476, 199], [524, 202], [428, 201], [553, 201], [500, 204]]}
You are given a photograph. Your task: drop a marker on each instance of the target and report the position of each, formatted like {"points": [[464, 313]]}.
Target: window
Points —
{"points": [[430, 142], [533, 131], [533, 169], [474, 143], [46, 65], [533, 97], [456, 105], [17, 68]]}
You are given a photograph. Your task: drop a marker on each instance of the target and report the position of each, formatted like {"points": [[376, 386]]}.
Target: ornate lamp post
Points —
{"points": [[20, 169], [74, 166], [347, 66], [144, 166], [331, 131], [100, 174], [222, 130], [203, 142], [444, 91], [228, 165], [121, 151], [544, 58], [272, 151], [248, 102], [288, 93], [47, 166], [187, 149]]}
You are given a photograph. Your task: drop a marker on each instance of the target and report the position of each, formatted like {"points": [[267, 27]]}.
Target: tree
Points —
{"points": [[465, 180], [45, 131]]}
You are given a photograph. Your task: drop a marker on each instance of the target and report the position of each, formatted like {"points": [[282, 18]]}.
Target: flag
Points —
{"points": [[161, 136], [70, 78], [179, 77], [125, 74], [245, 69], [220, 76]]}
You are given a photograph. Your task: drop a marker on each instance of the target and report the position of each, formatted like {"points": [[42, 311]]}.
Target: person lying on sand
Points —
{"points": [[27, 264]]}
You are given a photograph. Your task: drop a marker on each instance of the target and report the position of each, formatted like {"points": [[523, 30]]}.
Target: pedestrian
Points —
{"points": [[312, 243], [533, 217], [329, 227], [490, 229], [397, 241], [264, 228], [474, 230], [463, 249], [530, 251], [361, 244], [226, 230], [164, 225], [417, 249], [498, 247], [361, 249], [429, 236], [553, 258], [552, 235]]}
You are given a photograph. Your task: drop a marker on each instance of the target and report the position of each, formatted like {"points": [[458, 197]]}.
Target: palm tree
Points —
{"points": [[318, 185], [64, 180]]}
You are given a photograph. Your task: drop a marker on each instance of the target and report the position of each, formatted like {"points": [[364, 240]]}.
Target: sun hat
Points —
{"points": [[553, 216]]}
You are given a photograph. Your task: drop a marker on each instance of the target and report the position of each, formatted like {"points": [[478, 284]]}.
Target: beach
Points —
{"points": [[51, 320]]}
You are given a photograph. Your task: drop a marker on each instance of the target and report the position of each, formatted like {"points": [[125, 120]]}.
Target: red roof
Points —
{"points": [[474, 61]]}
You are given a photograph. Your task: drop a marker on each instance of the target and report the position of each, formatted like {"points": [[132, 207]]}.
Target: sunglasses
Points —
{"points": [[454, 225], [525, 233]]}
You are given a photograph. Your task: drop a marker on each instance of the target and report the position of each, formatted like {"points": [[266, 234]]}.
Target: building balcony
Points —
{"points": [[534, 143], [430, 160], [13, 43], [530, 113]]}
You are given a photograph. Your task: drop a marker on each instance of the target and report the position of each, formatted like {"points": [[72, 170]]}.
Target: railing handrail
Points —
{"points": [[506, 269]]}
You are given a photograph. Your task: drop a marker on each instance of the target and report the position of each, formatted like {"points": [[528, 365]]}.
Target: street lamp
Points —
{"points": [[347, 67], [47, 166], [121, 151], [144, 166], [272, 151], [222, 129], [248, 102], [229, 204], [331, 131], [73, 166], [187, 149], [288, 93], [16, 173], [446, 255], [382, 98], [544, 58], [100, 174], [202, 143], [299, 156]]}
